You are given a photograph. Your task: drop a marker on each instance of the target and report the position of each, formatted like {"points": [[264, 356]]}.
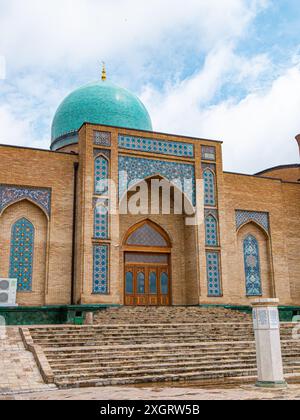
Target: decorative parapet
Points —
{"points": [[160, 147]]}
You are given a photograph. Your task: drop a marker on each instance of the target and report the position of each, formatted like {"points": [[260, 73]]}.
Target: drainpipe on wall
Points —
{"points": [[76, 165]]}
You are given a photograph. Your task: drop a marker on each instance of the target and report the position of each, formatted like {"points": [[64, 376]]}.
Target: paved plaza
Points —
{"points": [[193, 392], [19, 372]]}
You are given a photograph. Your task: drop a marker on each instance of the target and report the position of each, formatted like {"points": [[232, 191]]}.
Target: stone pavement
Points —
{"points": [[192, 392], [19, 372]]}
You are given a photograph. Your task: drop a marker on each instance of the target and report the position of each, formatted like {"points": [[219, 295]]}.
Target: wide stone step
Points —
{"points": [[151, 378], [134, 340], [86, 359], [171, 360], [146, 334], [156, 370], [134, 354], [87, 331]]}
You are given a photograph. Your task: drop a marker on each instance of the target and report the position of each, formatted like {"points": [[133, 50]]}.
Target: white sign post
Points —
{"points": [[268, 346]]}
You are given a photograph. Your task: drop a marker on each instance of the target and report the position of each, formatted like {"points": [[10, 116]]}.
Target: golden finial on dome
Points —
{"points": [[103, 72]]}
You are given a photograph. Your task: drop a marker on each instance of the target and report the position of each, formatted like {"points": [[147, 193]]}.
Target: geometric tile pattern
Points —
{"points": [[21, 254], [209, 188], [10, 194], [211, 230], [208, 153], [252, 267], [101, 222], [101, 175], [213, 274], [100, 270], [102, 138], [244, 216], [136, 169], [146, 236], [156, 146]]}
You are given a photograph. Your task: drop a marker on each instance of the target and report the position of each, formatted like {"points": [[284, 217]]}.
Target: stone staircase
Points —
{"points": [[169, 315], [142, 345]]}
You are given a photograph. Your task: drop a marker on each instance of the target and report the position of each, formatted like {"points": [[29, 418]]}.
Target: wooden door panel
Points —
{"points": [[147, 285]]}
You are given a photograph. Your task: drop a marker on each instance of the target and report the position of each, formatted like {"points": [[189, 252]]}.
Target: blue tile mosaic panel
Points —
{"points": [[102, 138], [252, 266], [101, 175], [156, 146], [243, 216], [100, 269], [209, 188], [101, 222], [132, 170], [208, 153], [21, 254], [10, 194], [211, 231], [213, 274]]}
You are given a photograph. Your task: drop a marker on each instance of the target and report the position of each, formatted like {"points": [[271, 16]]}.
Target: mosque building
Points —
{"points": [[65, 246]]}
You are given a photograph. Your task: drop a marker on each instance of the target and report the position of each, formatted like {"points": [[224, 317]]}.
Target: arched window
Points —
{"points": [[101, 175], [209, 188], [252, 266], [101, 222], [211, 231], [21, 254]]}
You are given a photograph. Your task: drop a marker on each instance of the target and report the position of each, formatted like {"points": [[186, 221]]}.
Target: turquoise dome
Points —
{"points": [[97, 103]]}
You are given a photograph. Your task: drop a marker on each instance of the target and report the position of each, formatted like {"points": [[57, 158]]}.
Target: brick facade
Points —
{"points": [[58, 262]]}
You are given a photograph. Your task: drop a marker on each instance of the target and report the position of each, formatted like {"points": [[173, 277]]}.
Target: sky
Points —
{"points": [[225, 70]]}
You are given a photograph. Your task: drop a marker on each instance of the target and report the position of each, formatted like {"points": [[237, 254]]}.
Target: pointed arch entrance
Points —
{"points": [[147, 266]]}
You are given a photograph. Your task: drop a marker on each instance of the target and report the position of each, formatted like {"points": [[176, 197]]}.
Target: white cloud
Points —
{"points": [[51, 47], [64, 33], [257, 131]]}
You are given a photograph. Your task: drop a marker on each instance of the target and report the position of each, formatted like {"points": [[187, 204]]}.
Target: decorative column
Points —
{"points": [[268, 346]]}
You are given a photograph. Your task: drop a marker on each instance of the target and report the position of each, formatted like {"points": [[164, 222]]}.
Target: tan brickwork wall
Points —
{"points": [[35, 168], [279, 253], [256, 194], [37, 217], [285, 174], [291, 200]]}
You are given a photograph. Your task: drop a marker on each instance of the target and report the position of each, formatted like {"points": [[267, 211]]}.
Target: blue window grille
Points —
{"points": [[101, 175], [252, 266], [211, 231], [100, 270], [209, 188], [213, 274], [21, 254]]}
